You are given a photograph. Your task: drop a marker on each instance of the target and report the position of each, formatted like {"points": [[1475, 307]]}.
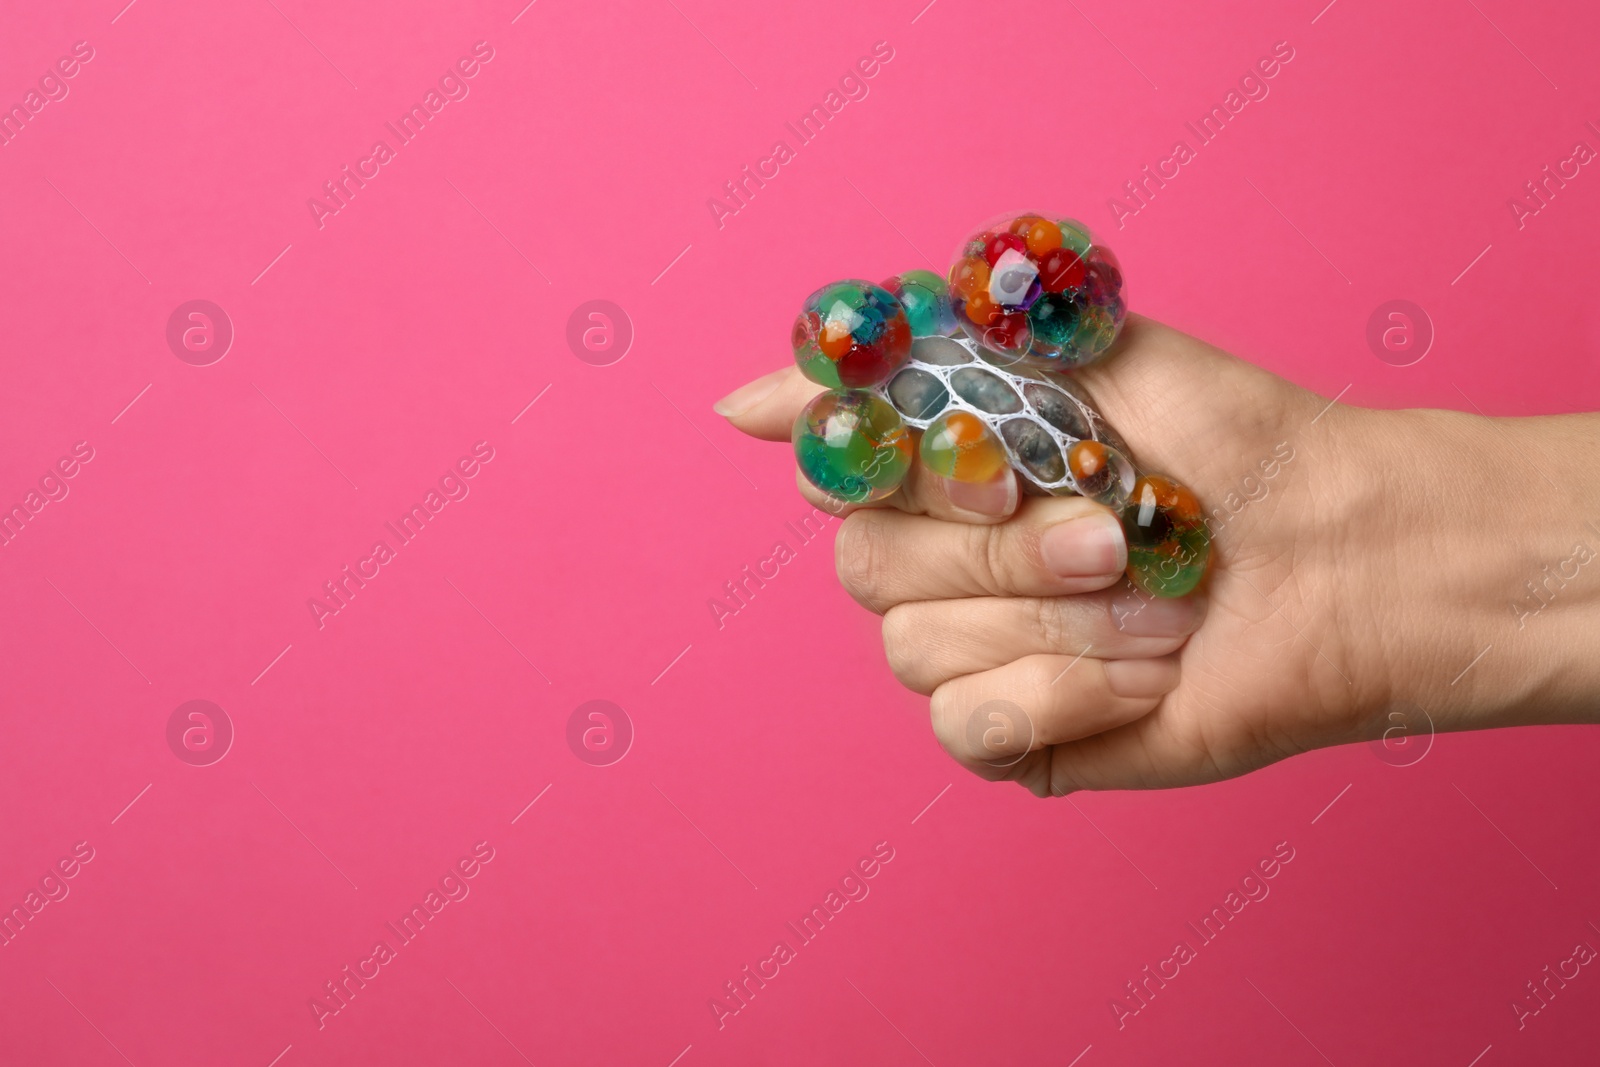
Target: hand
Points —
{"points": [[1360, 561]]}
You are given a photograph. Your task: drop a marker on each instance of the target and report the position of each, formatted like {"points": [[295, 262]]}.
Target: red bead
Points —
{"points": [[896, 338], [1105, 275], [1061, 270], [1009, 332], [805, 329], [1106, 260], [996, 246], [864, 366]]}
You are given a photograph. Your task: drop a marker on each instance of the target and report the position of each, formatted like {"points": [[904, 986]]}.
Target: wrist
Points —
{"points": [[1491, 566]]}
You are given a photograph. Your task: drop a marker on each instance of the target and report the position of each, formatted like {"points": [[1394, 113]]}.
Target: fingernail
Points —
{"points": [[982, 500], [1157, 616], [1142, 677], [1090, 546], [748, 396]]}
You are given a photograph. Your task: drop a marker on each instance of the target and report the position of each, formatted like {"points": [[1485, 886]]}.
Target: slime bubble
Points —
{"points": [[1039, 290], [926, 298], [958, 445], [850, 335], [852, 445], [1168, 543]]}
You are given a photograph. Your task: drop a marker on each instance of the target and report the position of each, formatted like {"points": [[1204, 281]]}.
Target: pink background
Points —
{"points": [[773, 753]]}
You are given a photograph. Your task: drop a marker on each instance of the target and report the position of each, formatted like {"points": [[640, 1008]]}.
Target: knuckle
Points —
{"points": [[1050, 620], [1023, 560], [902, 646], [985, 547], [1035, 680], [1006, 556], [859, 555], [1062, 778]]}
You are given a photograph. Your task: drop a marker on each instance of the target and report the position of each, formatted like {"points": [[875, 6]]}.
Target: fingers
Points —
{"points": [[1154, 752], [997, 717], [938, 497], [1173, 745], [1148, 753], [929, 643], [1054, 546], [766, 408], [926, 493]]}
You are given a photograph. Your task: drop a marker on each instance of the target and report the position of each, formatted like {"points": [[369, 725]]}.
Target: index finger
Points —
{"points": [[767, 407]]}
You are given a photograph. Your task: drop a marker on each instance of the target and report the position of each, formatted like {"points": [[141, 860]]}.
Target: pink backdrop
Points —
{"points": [[381, 339]]}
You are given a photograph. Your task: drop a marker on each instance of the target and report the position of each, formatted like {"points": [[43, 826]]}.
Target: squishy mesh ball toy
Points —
{"points": [[1035, 289], [921, 369], [851, 334], [852, 445], [970, 409]]}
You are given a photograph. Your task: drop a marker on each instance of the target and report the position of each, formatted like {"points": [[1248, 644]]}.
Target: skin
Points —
{"points": [[1360, 580]]}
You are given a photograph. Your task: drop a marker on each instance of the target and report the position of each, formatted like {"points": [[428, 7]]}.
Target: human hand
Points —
{"points": [[1360, 562]]}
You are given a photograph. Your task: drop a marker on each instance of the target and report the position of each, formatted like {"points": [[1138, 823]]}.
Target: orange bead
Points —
{"points": [[1086, 460], [964, 428], [835, 340], [980, 464], [981, 310], [1164, 488], [1022, 224], [970, 276], [1175, 497], [1043, 237], [958, 445], [1184, 504]]}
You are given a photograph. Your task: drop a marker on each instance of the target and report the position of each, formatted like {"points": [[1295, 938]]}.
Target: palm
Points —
{"points": [[1264, 677]]}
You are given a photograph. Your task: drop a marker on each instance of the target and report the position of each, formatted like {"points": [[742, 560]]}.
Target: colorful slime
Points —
{"points": [[1039, 290], [976, 369]]}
